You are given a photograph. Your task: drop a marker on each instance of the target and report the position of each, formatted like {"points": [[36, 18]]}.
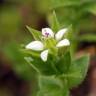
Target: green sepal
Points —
{"points": [[54, 23], [35, 33]]}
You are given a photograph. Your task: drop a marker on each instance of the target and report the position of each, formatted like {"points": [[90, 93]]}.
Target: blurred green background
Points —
{"points": [[17, 78]]}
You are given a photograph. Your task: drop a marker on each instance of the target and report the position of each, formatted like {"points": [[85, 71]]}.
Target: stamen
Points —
{"points": [[47, 34]]}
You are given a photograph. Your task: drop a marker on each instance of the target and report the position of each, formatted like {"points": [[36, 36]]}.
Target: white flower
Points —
{"points": [[35, 45], [44, 55], [64, 42], [59, 35], [48, 33]]}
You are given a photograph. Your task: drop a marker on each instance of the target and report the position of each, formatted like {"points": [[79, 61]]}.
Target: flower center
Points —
{"points": [[46, 34]]}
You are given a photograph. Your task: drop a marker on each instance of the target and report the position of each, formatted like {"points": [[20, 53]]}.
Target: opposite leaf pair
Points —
{"points": [[43, 46]]}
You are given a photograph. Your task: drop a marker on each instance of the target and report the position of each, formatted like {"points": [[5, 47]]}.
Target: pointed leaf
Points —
{"points": [[91, 8], [78, 70], [54, 23], [45, 68], [52, 86], [64, 63], [35, 33]]}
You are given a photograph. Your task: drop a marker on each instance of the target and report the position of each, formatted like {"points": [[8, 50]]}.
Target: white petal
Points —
{"points": [[47, 31], [44, 55], [64, 42], [35, 45], [60, 34]]}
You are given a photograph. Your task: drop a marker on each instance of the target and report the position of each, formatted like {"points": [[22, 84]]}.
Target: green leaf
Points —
{"points": [[49, 82], [50, 44], [46, 5], [91, 8], [62, 3], [88, 38], [77, 71], [30, 52], [44, 68], [52, 86], [64, 63], [53, 22], [36, 34]]}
